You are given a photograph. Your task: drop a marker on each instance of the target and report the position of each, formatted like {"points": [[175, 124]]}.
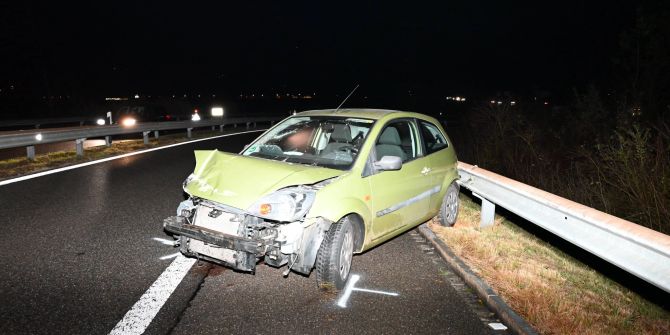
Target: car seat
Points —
{"points": [[389, 144]]}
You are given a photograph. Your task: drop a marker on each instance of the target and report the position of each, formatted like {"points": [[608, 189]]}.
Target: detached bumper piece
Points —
{"points": [[234, 251]]}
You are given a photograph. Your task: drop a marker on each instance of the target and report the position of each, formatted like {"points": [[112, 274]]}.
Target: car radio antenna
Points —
{"points": [[345, 99]]}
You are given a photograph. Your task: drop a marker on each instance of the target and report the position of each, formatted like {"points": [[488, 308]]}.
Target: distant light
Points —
{"points": [[100, 122], [217, 111], [493, 101], [128, 122], [38, 137], [512, 103], [195, 117], [499, 102], [462, 99], [137, 96], [546, 102]]}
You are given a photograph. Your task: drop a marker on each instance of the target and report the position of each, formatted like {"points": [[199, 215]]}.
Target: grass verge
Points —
{"points": [[554, 292], [16, 167]]}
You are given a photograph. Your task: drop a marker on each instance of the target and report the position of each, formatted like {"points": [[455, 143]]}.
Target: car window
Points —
{"points": [[332, 142], [398, 139], [432, 137]]}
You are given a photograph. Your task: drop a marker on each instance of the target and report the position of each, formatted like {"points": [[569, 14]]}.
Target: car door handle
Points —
{"points": [[425, 170]]}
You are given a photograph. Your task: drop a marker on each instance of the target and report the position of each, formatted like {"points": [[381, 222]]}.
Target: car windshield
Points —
{"points": [[327, 141]]}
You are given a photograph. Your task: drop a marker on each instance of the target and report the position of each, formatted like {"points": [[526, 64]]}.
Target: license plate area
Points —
{"points": [[220, 221]]}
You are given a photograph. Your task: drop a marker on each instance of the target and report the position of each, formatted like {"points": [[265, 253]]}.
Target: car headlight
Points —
{"points": [[289, 204]]}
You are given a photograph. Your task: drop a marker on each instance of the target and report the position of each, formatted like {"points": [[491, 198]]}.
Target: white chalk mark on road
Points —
{"points": [[393, 294], [351, 288], [143, 312], [170, 256], [164, 241]]}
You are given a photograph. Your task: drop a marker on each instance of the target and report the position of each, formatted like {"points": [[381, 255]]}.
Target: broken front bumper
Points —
{"points": [[237, 252]]}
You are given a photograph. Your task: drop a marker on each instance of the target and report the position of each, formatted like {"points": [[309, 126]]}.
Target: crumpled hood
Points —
{"points": [[239, 181]]}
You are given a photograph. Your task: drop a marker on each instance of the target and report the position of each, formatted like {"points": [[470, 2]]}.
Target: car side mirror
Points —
{"points": [[388, 163]]}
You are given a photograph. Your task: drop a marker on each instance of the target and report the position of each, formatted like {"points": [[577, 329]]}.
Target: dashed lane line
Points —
{"points": [[138, 318]]}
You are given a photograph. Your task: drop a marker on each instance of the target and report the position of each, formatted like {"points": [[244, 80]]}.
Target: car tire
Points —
{"points": [[333, 263], [449, 207]]}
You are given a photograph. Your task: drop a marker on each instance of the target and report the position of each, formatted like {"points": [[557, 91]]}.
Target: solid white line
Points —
{"points": [[143, 312], [71, 167]]}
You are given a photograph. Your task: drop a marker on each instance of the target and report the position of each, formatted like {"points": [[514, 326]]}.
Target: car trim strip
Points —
{"points": [[409, 201]]}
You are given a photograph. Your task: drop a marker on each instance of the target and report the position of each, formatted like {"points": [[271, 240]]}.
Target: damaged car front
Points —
{"points": [[257, 205]]}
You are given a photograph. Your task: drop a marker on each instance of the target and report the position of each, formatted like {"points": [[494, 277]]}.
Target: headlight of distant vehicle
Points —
{"points": [[100, 122], [128, 122], [285, 205]]}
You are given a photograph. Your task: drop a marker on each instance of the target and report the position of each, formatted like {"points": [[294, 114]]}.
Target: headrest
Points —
{"points": [[341, 133], [390, 136]]}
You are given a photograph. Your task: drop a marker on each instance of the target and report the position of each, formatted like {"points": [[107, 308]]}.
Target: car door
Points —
{"points": [[441, 163], [402, 197]]}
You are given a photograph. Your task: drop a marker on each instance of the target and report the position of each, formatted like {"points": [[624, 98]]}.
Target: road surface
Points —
{"points": [[81, 247]]}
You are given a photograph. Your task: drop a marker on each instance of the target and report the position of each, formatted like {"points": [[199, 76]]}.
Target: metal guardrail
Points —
{"points": [[640, 251], [30, 138], [36, 123]]}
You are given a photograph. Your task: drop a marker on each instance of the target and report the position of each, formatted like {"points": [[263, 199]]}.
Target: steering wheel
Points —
{"points": [[349, 149]]}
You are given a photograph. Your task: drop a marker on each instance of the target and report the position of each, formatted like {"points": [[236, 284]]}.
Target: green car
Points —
{"points": [[317, 188]]}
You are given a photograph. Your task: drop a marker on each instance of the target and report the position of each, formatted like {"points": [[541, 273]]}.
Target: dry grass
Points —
{"points": [[15, 167], [552, 291]]}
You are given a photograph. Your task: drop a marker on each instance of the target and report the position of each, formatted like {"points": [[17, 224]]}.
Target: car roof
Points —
{"points": [[366, 113]]}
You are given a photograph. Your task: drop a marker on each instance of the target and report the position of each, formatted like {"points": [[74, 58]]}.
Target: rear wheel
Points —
{"points": [[335, 254], [449, 208]]}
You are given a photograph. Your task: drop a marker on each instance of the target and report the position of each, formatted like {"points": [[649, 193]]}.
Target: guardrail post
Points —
{"points": [[234, 125], [108, 141], [248, 123], [221, 128], [31, 152], [255, 124], [156, 134], [213, 127], [488, 211], [188, 132], [145, 136], [79, 143]]}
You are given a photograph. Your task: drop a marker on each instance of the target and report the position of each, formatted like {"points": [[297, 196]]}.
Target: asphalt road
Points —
{"points": [[78, 251]]}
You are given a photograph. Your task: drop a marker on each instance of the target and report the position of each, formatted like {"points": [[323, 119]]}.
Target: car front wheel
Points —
{"points": [[334, 259], [449, 208]]}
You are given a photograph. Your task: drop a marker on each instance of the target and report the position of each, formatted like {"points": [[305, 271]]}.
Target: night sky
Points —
{"points": [[101, 48]]}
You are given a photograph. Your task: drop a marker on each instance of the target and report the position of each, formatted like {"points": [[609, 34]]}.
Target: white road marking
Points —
{"points": [[351, 288], [347, 291], [393, 294], [170, 256], [164, 241], [76, 166], [143, 312], [497, 326]]}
